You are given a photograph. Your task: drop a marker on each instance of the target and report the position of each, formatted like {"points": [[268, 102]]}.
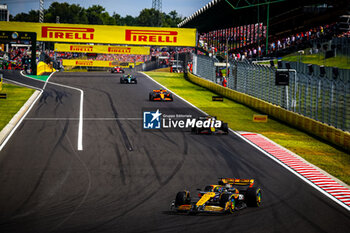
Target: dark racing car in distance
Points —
{"points": [[117, 69], [128, 79], [160, 95], [228, 196], [211, 128]]}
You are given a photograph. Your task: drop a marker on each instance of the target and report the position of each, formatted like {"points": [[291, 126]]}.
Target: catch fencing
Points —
{"points": [[337, 47], [325, 98]]}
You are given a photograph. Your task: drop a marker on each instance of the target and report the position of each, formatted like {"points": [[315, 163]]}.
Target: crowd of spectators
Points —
{"points": [[275, 45], [17, 58]]}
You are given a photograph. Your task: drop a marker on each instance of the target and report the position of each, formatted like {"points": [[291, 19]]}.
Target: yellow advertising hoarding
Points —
{"points": [[126, 35], [78, 48], [95, 63], [260, 118]]}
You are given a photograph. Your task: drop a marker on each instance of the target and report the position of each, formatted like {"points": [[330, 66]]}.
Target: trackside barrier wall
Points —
{"points": [[325, 98], [42, 67], [329, 133], [149, 65]]}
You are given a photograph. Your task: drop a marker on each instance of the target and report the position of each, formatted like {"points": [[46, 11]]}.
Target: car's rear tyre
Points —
{"points": [[224, 128], [121, 80], [253, 197], [135, 81], [150, 97], [171, 97], [193, 130], [182, 198]]}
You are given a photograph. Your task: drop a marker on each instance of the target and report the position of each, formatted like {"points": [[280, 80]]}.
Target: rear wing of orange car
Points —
{"points": [[234, 181], [159, 90]]}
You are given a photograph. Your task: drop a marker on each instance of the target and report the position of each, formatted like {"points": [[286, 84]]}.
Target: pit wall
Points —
{"points": [[42, 67], [331, 134]]}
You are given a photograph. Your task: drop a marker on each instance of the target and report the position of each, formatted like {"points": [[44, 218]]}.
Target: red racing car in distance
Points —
{"points": [[160, 95], [117, 69]]}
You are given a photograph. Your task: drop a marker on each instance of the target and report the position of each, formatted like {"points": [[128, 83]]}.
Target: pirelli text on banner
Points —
{"points": [[151, 36], [97, 63], [80, 33], [76, 48], [92, 63]]}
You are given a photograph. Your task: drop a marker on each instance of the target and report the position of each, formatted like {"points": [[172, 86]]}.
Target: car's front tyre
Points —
{"points": [[253, 197]]}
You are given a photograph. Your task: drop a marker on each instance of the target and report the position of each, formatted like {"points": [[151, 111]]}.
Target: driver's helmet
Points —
{"points": [[160, 89], [129, 76], [218, 189]]}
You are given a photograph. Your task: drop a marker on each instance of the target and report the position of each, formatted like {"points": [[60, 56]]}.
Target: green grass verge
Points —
{"points": [[239, 118], [342, 62], [39, 77], [16, 98]]}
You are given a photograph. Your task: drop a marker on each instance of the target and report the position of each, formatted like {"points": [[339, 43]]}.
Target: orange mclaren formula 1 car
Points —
{"points": [[228, 196], [160, 95]]}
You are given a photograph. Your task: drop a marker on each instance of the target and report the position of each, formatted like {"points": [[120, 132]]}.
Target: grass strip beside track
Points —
{"points": [[342, 62], [39, 77], [16, 98], [240, 118]]}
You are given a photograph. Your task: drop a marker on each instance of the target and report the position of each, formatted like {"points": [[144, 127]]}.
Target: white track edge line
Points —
{"points": [[80, 126]]}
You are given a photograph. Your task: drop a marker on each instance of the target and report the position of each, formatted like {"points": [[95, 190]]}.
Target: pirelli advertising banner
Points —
{"points": [[76, 48], [90, 63], [80, 33]]}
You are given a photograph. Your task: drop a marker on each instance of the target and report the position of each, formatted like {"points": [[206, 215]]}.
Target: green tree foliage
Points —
{"points": [[96, 14], [67, 13], [150, 17], [32, 16], [175, 19], [128, 21]]}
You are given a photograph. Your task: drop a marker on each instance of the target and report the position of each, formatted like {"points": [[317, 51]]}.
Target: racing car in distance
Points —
{"points": [[117, 69], [229, 195], [128, 79], [223, 129], [160, 95]]}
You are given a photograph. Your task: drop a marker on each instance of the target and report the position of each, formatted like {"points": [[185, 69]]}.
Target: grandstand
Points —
{"points": [[276, 28], [268, 20]]}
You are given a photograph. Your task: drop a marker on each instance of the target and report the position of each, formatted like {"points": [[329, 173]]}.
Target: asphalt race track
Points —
{"points": [[125, 178]]}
